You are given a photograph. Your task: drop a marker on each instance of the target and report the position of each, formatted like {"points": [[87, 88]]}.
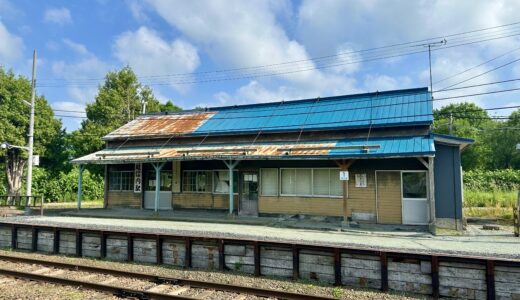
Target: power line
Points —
{"points": [[368, 99], [290, 71], [363, 107], [483, 73], [479, 65], [333, 55]]}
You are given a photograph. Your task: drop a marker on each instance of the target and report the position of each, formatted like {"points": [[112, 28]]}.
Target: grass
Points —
{"points": [[496, 199], [494, 204]]}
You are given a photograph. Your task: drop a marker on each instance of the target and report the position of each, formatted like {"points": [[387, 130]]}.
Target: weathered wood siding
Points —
{"points": [[300, 205], [361, 200], [124, 199], [202, 200], [389, 197]]}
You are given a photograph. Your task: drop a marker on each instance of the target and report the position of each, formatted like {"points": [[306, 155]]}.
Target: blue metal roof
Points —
{"points": [[380, 147], [388, 147], [381, 109]]}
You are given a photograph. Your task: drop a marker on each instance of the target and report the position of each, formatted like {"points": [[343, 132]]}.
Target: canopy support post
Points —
{"points": [[344, 164], [158, 167], [80, 185], [231, 166]]}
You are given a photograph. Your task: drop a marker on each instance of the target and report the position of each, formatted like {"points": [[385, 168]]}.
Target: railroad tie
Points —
{"points": [[179, 290], [159, 288], [41, 271], [56, 273], [109, 280], [205, 294]]}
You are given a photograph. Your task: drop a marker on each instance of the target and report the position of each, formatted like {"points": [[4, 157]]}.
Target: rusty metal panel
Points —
{"points": [[161, 125]]}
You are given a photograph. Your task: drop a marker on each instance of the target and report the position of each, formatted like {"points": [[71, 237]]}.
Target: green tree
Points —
{"points": [[14, 126], [168, 106], [119, 101], [468, 120], [502, 139]]}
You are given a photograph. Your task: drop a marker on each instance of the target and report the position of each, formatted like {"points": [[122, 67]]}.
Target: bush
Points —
{"points": [[489, 181], [497, 199], [64, 187]]}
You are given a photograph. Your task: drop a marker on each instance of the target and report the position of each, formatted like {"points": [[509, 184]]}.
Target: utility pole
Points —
{"points": [[31, 137], [430, 45]]}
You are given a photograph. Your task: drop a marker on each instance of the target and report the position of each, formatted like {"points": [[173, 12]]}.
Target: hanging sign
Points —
{"points": [[138, 180], [343, 175]]}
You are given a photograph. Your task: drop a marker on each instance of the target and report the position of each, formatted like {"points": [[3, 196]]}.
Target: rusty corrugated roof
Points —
{"points": [[161, 125], [346, 148]]}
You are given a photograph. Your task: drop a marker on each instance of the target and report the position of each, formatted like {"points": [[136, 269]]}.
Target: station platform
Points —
{"points": [[497, 245]]}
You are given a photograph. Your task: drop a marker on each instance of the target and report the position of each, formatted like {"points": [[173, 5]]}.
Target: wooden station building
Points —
{"points": [[286, 158]]}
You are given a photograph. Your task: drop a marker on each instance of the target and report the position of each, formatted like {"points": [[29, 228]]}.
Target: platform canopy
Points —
{"points": [[382, 147]]}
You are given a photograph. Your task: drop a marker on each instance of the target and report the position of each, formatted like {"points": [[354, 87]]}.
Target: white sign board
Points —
{"points": [[36, 160], [138, 180], [343, 175], [361, 180]]}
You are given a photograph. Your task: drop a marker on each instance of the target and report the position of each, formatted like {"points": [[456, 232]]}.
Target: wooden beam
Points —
{"points": [[344, 164], [424, 162]]}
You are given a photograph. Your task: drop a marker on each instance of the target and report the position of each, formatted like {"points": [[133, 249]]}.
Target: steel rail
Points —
{"points": [[118, 291], [144, 276]]}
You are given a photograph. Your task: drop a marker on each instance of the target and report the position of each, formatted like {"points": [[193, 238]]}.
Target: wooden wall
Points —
{"points": [[300, 205], [202, 200], [361, 199], [124, 199], [389, 197]]}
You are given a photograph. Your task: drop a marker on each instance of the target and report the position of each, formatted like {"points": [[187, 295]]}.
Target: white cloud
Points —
{"points": [[11, 46], [137, 11], [148, 54], [376, 82], [76, 47], [60, 16], [247, 33]]}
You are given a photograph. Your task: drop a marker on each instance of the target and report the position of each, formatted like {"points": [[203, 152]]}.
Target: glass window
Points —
{"points": [[166, 181], [336, 185], [288, 181], [321, 182], [310, 182], [197, 181], [303, 181], [221, 184], [414, 185], [269, 182], [121, 181]]}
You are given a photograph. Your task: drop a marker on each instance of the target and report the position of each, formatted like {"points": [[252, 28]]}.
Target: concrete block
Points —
{"points": [[117, 248], [173, 252], [67, 243], [45, 241], [91, 245]]}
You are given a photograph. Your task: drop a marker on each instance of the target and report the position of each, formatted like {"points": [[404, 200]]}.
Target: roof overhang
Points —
{"points": [[450, 140], [411, 146]]}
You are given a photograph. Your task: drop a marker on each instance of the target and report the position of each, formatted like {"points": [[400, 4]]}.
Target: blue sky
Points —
{"points": [[79, 41]]}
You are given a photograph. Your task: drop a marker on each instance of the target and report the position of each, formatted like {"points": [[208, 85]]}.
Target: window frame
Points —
{"points": [[312, 195], [278, 189], [235, 191], [197, 192], [120, 181]]}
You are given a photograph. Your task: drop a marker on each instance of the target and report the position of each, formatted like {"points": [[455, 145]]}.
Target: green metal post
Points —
{"points": [[158, 167], [231, 165], [80, 185]]}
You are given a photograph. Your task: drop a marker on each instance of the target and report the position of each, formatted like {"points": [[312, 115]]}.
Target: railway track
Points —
{"points": [[133, 284]]}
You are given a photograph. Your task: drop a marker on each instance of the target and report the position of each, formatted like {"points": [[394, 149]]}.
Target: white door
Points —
{"points": [[165, 194], [416, 210]]}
